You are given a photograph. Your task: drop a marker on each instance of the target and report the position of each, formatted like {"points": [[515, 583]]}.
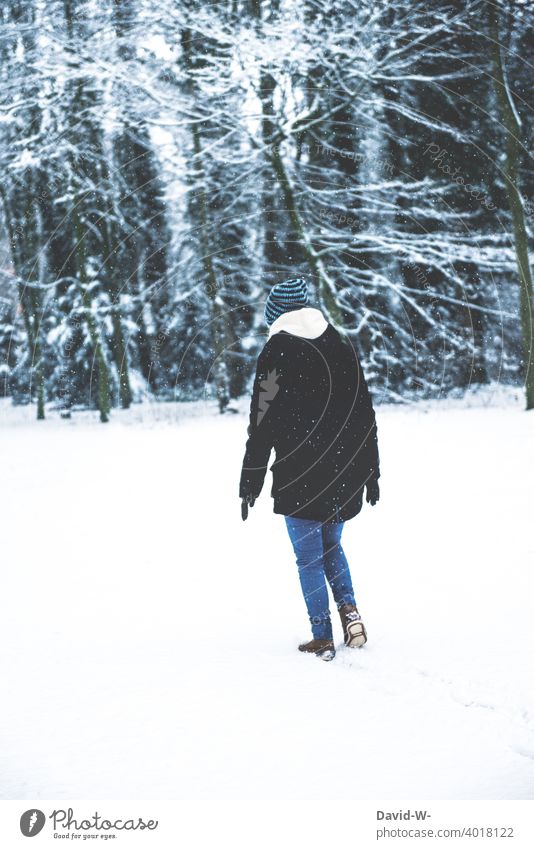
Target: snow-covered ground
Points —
{"points": [[148, 636]]}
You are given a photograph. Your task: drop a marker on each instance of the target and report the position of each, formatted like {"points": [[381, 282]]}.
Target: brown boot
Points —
{"points": [[354, 632], [324, 649]]}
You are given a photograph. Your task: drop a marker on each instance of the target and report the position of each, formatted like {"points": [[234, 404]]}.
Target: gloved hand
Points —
{"points": [[373, 491], [246, 502]]}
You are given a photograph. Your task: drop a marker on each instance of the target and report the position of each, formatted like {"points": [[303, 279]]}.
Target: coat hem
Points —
{"points": [[333, 518]]}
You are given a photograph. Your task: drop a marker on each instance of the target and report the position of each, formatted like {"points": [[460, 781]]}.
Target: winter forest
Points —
{"points": [[165, 163]]}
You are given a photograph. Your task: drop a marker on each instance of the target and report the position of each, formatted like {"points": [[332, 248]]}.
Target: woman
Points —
{"points": [[311, 403]]}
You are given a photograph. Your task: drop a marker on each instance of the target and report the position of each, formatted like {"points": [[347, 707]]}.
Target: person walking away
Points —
{"points": [[310, 402]]}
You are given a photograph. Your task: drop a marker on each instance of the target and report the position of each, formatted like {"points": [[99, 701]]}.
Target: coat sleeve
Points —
{"points": [[365, 420], [368, 420], [264, 401]]}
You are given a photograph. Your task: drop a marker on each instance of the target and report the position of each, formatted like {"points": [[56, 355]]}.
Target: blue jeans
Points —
{"points": [[319, 553]]}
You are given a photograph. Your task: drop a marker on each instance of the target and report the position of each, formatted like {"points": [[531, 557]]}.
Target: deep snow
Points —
{"points": [[148, 636]]}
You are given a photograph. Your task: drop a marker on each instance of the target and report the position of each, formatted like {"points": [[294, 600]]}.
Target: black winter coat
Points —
{"points": [[310, 402]]}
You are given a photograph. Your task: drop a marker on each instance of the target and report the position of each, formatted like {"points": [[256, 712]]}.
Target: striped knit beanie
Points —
{"points": [[286, 296]]}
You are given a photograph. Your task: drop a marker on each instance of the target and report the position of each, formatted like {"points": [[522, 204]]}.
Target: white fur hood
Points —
{"points": [[307, 322]]}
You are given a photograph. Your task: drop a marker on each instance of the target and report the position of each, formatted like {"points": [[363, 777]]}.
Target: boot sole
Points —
{"points": [[324, 654], [327, 654], [356, 635]]}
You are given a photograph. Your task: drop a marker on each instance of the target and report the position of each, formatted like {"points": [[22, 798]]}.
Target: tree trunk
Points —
{"points": [[326, 291], [222, 383], [513, 130], [103, 392], [119, 348], [218, 320], [103, 395], [29, 302]]}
